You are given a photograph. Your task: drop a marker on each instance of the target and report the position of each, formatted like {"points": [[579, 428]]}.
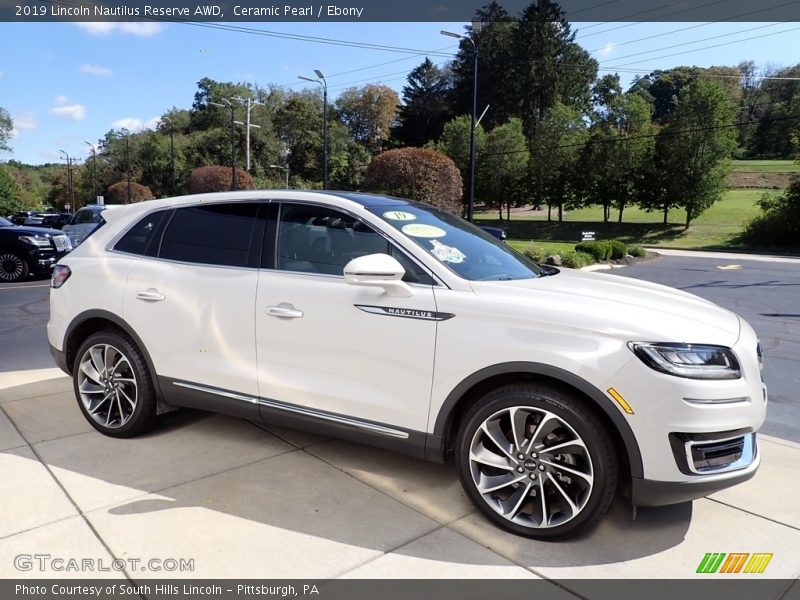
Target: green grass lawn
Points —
{"points": [[766, 166], [717, 228]]}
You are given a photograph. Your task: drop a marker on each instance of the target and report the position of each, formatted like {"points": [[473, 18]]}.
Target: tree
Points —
{"points": [[779, 225], [455, 144], [6, 128], [10, 200], [554, 158], [503, 166], [217, 178], [696, 147], [419, 174], [117, 193], [369, 113], [425, 108]]}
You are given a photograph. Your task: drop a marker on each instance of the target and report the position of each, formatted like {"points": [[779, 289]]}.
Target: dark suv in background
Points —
{"points": [[28, 250]]}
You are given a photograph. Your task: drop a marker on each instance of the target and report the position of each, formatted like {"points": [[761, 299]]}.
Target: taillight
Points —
{"points": [[60, 275]]}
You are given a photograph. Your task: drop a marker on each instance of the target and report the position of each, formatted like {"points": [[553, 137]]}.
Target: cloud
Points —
{"points": [[26, 120], [74, 112], [135, 124], [60, 99], [97, 70], [607, 50], [2, 73], [105, 28]]}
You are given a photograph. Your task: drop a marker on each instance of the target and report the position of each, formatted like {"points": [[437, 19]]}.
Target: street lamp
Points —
{"points": [[476, 27], [171, 149], [227, 104], [321, 81], [284, 169], [69, 179], [94, 167]]}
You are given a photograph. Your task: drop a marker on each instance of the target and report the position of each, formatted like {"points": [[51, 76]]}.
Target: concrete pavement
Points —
{"points": [[244, 500]]}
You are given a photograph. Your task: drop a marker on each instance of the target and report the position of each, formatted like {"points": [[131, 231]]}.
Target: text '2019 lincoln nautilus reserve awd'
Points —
{"points": [[389, 322]]}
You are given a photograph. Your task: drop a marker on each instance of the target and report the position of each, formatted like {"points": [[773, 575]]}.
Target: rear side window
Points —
{"points": [[215, 234], [139, 237]]}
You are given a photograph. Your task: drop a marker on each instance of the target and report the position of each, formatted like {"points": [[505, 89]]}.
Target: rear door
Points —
{"points": [[192, 303]]}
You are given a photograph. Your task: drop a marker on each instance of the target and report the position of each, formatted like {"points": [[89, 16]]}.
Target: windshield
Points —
{"points": [[5, 222], [463, 248]]}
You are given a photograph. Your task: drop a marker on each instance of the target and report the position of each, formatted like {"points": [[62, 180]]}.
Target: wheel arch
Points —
{"points": [[471, 389], [90, 321]]}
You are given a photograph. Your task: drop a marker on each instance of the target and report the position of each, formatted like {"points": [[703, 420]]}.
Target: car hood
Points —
{"points": [[24, 230], [623, 307]]}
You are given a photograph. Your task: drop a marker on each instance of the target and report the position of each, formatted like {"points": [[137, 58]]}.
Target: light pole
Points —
{"points": [[284, 169], [94, 168], [250, 104], [227, 104], [476, 27], [321, 81], [128, 162], [69, 179], [171, 151]]}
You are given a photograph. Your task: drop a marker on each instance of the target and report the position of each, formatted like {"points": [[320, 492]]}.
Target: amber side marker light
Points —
{"points": [[620, 400]]}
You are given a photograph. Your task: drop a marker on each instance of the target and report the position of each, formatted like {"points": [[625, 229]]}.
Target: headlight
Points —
{"points": [[693, 361], [35, 240]]}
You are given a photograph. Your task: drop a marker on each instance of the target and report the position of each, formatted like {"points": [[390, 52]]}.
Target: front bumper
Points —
{"points": [[651, 492]]}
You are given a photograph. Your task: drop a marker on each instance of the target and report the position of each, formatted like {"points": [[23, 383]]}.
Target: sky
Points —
{"points": [[68, 83]]}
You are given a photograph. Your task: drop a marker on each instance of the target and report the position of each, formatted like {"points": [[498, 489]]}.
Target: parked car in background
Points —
{"points": [[390, 322], [27, 217], [28, 250], [56, 221], [500, 234], [84, 222]]}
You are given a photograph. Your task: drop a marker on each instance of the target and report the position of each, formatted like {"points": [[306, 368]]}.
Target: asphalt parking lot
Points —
{"points": [[244, 500]]}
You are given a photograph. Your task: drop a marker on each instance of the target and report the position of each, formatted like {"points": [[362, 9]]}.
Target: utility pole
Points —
{"points": [[171, 150], [94, 168], [69, 179], [323, 82], [250, 104]]}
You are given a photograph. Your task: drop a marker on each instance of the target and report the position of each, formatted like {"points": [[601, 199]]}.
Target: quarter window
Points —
{"points": [[138, 238], [214, 234]]}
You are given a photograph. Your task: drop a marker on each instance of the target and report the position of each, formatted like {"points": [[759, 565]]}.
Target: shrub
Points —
{"points": [[216, 178], [779, 225], [599, 250], [575, 259], [618, 249], [117, 193], [536, 254], [419, 174], [637, 251]]}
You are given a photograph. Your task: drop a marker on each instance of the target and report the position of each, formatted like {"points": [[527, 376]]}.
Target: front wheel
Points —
{"points": [[536, 461], [113, 385], [13, 267]]}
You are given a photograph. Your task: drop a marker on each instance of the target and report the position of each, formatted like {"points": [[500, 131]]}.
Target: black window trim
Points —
{"points": [[437, 281]]}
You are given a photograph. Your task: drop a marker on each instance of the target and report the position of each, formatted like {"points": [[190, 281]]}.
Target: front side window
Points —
{"points": [[463, 248], [315, 239], [213, 234]]}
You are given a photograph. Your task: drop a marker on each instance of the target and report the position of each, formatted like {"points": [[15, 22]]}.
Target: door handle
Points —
{"points": [[150, 296], [284, 312]]}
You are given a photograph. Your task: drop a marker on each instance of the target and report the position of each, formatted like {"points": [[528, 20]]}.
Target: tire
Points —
{"points": [[577, 484], [113, 385], [13, 267]]}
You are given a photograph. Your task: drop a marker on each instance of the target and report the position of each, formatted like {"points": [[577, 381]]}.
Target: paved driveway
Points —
{"points": [[244, 500]]}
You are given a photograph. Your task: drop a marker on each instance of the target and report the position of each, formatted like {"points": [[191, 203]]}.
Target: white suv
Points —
{"points": [[391, 323]]}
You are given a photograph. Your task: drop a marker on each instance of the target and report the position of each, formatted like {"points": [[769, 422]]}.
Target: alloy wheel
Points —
{"points": [[12, 267], [531, 467], [107, 385]]}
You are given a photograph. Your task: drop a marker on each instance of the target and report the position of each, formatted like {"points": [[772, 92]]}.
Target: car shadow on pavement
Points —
{"points": [[201, 479]]}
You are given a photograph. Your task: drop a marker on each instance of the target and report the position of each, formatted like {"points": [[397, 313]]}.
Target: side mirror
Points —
{"points": [[378, 270]]}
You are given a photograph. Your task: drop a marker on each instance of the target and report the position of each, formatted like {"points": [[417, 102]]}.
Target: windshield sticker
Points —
{"points": [[447, 254], [423, 231], [399, 215]]}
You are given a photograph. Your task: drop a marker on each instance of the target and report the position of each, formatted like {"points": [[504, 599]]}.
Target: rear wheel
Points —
{"points": [[536, 462], [13, 267], [113, 385]]}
